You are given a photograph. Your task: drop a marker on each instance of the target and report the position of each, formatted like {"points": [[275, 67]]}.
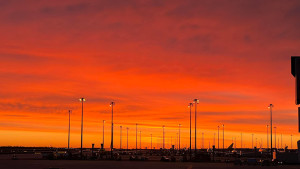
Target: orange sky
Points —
{"points": [[152, 58]]}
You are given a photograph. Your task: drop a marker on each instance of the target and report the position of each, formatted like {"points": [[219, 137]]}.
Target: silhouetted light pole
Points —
{"points": [[179, 135], [190, 106], [151, 141], [241, 140], [112, 128], [271, 125], [69, 129], [281, 140], [218, 137], [275, 136], [256, 142], [223, 136], [177, 140], [140, 140], [202, 140], [81, 100], [252, 140], [291, 141], [127, 137], [214, 139], [163, 137], [136, 131], [268, 136], [196, 101], [120, 137]]}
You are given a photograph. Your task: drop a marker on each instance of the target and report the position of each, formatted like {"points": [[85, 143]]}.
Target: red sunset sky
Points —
{"points": [[152, 58]]}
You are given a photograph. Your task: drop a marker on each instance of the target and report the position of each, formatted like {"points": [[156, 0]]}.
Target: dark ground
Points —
{"points": [[72, 164]]}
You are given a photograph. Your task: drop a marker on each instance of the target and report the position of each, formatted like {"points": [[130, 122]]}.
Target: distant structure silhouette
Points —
{"points": [[295, 66]]}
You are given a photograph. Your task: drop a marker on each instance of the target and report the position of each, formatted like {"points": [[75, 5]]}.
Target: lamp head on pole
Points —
{"points": [[112, 104], [103, 121], [270, 106], [190, 105], [196, 101], [82, 99]]}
